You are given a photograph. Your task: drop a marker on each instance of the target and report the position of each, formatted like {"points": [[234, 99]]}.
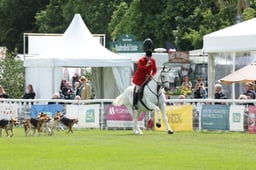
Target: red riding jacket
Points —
{"points": [[142, 71]]}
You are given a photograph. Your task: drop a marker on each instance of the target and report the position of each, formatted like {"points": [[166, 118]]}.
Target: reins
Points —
{"points": [[157, 94]]}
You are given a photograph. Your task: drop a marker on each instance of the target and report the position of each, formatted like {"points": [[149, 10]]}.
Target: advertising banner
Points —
{"points": [[252, 119], [8, 111], [87, 115], [119, 117], [50, 109], [215, 117], [179, 118], [236, 118]]}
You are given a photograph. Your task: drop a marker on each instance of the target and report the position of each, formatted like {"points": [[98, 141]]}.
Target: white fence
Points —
{"points": [[97, 113]]}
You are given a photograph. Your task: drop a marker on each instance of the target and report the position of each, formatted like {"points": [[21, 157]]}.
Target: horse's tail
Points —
{"points": [[118, 101]]}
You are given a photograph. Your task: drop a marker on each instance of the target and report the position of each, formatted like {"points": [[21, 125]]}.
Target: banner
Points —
{"points": [[87, 115], [252, 119], [119, 117], [179, 118], [215, 117], [236, 118], [8, 111], [50, 109]]}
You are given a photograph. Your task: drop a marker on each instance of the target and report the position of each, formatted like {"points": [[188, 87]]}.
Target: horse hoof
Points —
{"points": [[170, 132], [158, 125], [138, 133]]}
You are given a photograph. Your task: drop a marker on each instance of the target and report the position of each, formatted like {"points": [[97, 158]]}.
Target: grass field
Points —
{"points": [[111, 150]]}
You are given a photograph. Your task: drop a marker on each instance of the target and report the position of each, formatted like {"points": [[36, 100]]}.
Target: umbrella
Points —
{"points": [[243, 75]]}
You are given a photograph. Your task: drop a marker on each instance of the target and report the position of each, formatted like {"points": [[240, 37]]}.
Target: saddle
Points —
{"points": [[137, 96]]}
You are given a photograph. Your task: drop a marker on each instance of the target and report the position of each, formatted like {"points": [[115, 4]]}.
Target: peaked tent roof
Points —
{"points": [[77, 47], [239, 37]]}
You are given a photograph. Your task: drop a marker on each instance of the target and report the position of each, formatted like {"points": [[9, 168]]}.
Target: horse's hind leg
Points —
{"points": [[136, 128]]}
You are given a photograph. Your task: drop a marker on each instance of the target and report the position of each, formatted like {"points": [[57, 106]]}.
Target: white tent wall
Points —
{"points": [[110, 82], [229, 44], [44, 81]]}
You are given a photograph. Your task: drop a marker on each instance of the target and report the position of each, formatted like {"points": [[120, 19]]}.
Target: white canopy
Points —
{"points": [[239, 37], [230, 41], [78, 48]]}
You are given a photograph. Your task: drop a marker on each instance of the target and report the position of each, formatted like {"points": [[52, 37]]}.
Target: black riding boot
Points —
{"points": [[135, 100]]}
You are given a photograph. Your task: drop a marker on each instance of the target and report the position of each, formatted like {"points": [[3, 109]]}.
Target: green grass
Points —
{"points": [[95, 149]]}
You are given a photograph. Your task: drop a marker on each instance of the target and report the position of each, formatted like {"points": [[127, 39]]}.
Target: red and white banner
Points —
{"points": [[8, 111], [119, 117]]}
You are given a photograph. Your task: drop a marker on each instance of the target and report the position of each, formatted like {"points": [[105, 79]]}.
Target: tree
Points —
{"points": [[16, 18], [12, 74], [95, 13], [209, 16]]}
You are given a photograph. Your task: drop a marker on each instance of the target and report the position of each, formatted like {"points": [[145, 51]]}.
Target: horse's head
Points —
{"points": [[165, 78]]}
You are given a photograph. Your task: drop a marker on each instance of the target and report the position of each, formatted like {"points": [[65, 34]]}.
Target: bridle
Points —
{"points": [[159, 83], [159, 86]]}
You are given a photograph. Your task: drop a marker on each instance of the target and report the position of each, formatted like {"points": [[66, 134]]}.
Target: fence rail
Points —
{"points": [[24, 106]]}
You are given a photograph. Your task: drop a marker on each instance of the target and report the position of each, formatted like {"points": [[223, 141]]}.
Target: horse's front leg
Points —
{"points": [[163, 109]]}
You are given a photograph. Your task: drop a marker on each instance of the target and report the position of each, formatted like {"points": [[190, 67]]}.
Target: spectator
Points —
{"points": [[77, 98], [67, 91], [55, 96], [186, 84], [250, 96], [200, 90], [3, 94], [77, 86], [29, 94], [62, 84], [86, 90], [242, 97], [218, 93], [80, 87], [75, 79], [249, 87], [181, 97]]}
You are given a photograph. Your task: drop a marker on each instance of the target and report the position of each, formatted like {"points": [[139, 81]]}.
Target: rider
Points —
{"points": [[146, 69]]}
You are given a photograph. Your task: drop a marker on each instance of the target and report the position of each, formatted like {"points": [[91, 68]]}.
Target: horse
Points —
{"points": [[153, 99]]}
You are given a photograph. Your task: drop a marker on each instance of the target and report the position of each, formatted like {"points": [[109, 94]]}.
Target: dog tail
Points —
{"points": [[118, 101]]}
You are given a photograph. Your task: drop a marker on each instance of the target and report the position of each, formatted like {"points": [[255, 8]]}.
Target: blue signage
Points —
{"points": [[215, 117]]}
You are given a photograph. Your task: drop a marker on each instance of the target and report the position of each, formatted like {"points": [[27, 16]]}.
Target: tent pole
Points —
{"points": [[233, 70]]}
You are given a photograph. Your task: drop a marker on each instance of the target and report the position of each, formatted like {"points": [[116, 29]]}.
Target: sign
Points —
{"points": [[50, 109], [215, 117], [8, 111], [119, 117], [179, 118], [178, 57], [126, 44], [87, 115], [252, 119], [236, 118]]}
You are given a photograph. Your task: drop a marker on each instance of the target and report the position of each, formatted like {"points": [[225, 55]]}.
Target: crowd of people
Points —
{"points": [[78, 89]]}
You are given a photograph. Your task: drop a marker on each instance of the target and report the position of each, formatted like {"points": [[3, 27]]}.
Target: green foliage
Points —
{"points": [[207, 17], [182, 22], [248, 13], [12, 75], [17, 17]]}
